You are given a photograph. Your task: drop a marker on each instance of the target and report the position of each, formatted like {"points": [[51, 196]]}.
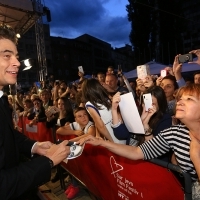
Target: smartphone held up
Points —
{"points": [[163, 73], [80, 69], [185, 58], [143, 71], [147, 99]]}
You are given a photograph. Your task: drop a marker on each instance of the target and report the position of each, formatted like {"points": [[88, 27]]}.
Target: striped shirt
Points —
{"points": [[176, 138]]}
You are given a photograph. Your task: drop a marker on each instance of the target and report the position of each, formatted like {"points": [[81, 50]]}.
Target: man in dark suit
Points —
{"points": [[17, 178]]}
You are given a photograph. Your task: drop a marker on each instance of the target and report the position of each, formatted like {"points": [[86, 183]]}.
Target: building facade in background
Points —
{"points": [[64, 55]]}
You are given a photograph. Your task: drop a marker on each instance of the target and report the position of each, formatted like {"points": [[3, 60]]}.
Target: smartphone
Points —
{"points": [[185, 58], [147, 99], [143, 71], [80, 69], [163, 73]]}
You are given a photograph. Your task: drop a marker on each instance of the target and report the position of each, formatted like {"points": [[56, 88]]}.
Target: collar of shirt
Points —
{"points": [[46, 105], [1, 93]]}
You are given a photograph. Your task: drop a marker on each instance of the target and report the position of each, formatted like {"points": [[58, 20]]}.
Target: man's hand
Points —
{"points": [[58, 153], [197, 53], [40, 148], [177, 68]]}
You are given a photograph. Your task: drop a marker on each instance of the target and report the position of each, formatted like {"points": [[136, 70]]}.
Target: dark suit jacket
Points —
{"points": [[15, 177]]}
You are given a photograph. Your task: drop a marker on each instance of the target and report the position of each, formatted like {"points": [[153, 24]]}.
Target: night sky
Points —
{"points": [[103, 19]]}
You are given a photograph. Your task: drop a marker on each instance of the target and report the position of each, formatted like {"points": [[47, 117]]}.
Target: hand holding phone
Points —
{"points": [[185, 58], [147, 99]]}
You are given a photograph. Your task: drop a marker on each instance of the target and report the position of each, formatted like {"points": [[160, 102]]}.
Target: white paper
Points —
{"points": [[130, 114], [32, 129]]}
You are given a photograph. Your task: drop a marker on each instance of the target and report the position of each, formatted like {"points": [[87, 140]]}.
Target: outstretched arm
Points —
{"points": [[130, 152], [66, 130], [91, 131]]}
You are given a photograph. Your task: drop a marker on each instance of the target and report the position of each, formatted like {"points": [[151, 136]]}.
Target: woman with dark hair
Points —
{"points": [[154, 120], [98, 105], [169, 85], [64, 113]]}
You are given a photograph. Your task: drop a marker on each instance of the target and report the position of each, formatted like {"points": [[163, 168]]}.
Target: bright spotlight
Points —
{"points": [[27, 64], [18, 35]]}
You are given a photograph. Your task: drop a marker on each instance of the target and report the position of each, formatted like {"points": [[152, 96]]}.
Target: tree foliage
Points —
{"points": [[156, 30]]}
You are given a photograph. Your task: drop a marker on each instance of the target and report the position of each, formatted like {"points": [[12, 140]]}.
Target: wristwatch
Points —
{"points": [[148, 132]]}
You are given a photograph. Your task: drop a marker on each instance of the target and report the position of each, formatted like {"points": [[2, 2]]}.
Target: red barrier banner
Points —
{"points": [[37, 131], [20, 124], [111, 177], [44, 133]]}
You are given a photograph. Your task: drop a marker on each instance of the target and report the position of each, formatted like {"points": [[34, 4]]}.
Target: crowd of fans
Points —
{"points": [[91, 107]]}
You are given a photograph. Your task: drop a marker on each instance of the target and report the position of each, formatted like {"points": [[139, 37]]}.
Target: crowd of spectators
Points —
{"points": [[91, 107]]}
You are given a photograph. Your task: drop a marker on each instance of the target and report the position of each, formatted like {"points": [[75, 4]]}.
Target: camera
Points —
{"points": [[185, 58]]}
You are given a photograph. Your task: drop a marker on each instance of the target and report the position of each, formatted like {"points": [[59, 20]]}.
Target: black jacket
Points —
{"points": [[15, 177]]}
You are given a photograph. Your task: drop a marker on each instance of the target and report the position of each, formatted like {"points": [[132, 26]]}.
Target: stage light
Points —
{"points": [[27, 64]]}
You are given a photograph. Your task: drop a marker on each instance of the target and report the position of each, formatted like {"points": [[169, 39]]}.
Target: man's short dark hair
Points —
{"points": [[100, 73], [7, 32]]}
